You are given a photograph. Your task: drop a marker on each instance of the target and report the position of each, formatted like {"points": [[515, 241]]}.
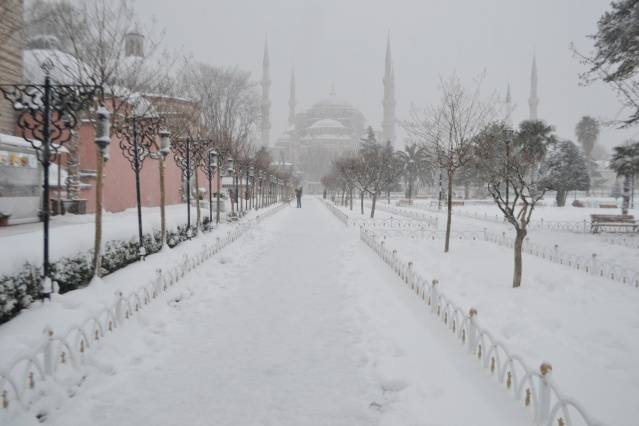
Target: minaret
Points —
{"points": [[266, 100], [508, 119], [533, 101], [388, 125], [291, 101]]}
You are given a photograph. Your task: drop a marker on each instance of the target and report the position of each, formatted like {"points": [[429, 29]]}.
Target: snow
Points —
{"points": [[586, 326], [74, 234], [296, 323]]}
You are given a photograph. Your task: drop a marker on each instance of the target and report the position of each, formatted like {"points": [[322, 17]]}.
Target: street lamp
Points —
{"points": [[189, 154], [212, 166], [47, 116], [137, 134], [251, 180]]}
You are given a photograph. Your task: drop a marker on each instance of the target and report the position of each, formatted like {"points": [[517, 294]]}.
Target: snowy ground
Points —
{"points": [[297, 323], [581, 244], [73, 234], [587, 327]]}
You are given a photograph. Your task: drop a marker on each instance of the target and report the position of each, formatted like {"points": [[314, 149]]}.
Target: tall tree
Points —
{"points": [[565, 169], [413, 161], [514, 172], [449, 128], [587, 132], [614, 60], [625, 162]]}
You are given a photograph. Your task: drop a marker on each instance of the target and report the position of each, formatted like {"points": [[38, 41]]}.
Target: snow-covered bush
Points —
{"points": [[19, 290]]}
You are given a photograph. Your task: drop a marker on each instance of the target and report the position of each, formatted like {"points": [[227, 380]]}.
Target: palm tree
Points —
{"points": [[534, 138], [625, 162], [412, 161]]}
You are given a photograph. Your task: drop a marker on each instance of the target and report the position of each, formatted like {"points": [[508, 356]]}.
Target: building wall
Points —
{"points": [[11, 44], [119, 179]]}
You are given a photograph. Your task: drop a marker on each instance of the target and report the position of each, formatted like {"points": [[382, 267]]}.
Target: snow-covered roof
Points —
{"points": [[66, 68], [327, 123], [333, 102]]}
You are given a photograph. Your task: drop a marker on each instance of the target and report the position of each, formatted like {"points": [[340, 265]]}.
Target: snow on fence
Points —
{"points": [[577, 226], [590, 264], [389, 223], [535, 388], [60, 359]]}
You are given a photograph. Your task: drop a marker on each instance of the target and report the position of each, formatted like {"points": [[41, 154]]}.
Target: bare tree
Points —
{"points": [[449, 127], [228, 110], [92, 37]]}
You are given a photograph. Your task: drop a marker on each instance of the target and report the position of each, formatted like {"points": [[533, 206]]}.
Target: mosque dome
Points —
{"points": [[327, 123]]}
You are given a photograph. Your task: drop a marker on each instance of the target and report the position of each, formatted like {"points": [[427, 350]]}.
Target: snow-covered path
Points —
{"points": [[297, 323]]}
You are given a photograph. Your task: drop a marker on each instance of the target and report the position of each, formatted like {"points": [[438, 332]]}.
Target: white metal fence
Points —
{"points": [[59, 360], [587, 264], [534, 388], [423, 222]]}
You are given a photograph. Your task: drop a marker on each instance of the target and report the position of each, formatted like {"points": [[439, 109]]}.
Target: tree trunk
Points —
{"points": [[519, 242], [198, 220], [373, 206], [466, 190], [73, 167], [350, 197], [560, 198], [217, 196], [361, 201], [388, 197], [97, 243], [162, 204], [626, 195], [449, 212]]}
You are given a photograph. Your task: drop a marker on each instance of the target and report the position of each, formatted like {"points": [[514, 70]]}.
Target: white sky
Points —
{"points": [[344, 41]]}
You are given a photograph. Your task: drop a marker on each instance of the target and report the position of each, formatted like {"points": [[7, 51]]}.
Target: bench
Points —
{"points": [[457, 203], [405, 202], [612, 222], [607, 206]]}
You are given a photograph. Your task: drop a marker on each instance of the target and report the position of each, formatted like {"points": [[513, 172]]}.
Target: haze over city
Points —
{"points": [[319, 212], [344, 42]]}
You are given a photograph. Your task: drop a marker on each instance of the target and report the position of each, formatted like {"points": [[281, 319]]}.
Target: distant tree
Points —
{"points": [[625, 162], [564, 169], [534, 138], [614, 60], [449, 128], [413, 160], [587, 132]]}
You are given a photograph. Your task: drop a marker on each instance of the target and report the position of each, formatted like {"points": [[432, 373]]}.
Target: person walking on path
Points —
{"points": [[298, 195]]}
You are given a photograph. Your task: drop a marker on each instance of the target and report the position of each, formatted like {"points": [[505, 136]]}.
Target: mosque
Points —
{"points": [[334, 126], [328, 129]]}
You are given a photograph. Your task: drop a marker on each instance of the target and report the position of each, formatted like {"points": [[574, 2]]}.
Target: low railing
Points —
{"points": [[60, 359], [534, 388], [577, 226], [588, 264], [386, 223]]}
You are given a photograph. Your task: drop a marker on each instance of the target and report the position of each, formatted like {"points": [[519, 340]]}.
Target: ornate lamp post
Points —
{"points": [[211, 167], [137, 135], [184, 159], [47, 114]]}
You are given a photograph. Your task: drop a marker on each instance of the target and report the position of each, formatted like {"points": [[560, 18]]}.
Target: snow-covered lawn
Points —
{"points": [[297, 323], [74, 234], [580, 244], [587, 327]]}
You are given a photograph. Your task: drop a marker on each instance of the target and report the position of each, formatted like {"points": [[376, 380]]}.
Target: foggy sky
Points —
{"points": [[343, 41]]}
